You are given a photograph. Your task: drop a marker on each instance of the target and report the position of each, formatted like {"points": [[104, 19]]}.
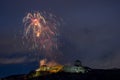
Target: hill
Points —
{"points": [[93, 74]]}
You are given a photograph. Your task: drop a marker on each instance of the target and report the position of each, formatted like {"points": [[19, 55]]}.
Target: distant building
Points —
{"points": [[74, 69]]}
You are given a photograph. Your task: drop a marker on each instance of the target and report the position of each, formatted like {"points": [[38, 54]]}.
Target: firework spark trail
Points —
{"points": [[40, 32]]}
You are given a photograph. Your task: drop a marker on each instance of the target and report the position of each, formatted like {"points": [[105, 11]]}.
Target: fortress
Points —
{"points": [[45, 69]]}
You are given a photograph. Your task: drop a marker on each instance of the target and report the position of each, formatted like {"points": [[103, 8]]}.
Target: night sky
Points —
{"points": [[89, 31]]}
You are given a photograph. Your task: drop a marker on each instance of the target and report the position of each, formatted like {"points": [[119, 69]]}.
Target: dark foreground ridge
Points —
{"points": [[93, 74]]}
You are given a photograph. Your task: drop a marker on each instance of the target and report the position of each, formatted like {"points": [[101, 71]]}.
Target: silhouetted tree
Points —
{"points": [[78, 63]]}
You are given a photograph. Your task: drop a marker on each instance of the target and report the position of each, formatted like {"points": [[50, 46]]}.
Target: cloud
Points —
{"points": [[18, 60]]}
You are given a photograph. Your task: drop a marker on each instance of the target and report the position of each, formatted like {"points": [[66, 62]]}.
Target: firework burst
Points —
{"points": [[40, 31]]}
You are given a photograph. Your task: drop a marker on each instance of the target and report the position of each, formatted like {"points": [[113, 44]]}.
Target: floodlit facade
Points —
{"points": [[58, 68], [53, 69], [74, 69]]}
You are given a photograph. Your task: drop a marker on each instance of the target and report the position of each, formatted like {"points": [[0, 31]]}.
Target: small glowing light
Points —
{"points": [[36, 22], [37, 34]]}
